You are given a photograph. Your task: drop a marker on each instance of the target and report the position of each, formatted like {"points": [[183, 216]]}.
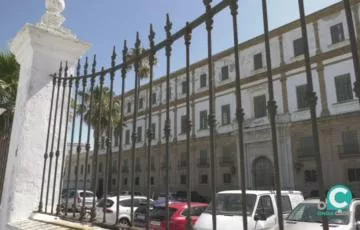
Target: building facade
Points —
{"points": [[337, 109]]}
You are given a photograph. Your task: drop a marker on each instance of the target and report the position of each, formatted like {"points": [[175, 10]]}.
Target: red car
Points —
{"points": [[177, 215]]}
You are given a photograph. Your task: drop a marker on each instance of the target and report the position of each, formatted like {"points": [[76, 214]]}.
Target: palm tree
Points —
{"points": [[144, 67], [91, 118], [9, 77]]}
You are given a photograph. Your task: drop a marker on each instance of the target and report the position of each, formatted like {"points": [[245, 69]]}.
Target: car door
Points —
{"points": [[265, 207], [125, 206]]}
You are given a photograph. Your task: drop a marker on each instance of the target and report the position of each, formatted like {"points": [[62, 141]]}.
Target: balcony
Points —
{"points": [[306, 152], [182, 164], [203, 163], [348, 151], [226, 161], [125, 169]]}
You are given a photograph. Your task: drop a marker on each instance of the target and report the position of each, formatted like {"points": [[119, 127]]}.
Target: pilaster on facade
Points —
{"points": [[283, 77]]}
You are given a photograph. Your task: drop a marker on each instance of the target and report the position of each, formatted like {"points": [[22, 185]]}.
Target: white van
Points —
{"points": [[261, 210]]}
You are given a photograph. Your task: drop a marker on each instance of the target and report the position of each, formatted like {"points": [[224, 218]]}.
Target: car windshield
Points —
{"points": [[231, 204], [308, 212], [159, 213]]}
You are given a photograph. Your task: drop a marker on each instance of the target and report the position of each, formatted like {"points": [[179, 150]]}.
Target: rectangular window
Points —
{"points": [[310, 175], [127, 137], [203, 119], [343, 88], [350, 141], [258, 61], [129, 107], [141, 103], [75, 169], [301, 92], [137, 162], [153, 98], [153, 131], [182, 179], [204, 179], [139, 134], [298, 47], [203, 80], [102, 142], [88, 169], [337, 33], [260, 106], [184, 87], [354, 175], [116, 136], [183, 124], [81, 169], [152, 180], [224, 73], [225, 114], [227, 178], [203, 156]]}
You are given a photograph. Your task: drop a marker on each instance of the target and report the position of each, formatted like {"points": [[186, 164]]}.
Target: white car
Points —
{"points": [[79, 196], [305, 216], [124, 209], [261, 210]]}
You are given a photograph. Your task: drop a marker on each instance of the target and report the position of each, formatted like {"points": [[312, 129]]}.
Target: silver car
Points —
{"points": [[78, 196]]}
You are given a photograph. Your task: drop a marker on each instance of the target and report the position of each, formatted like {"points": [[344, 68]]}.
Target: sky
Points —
{"points": [[107, 23]]}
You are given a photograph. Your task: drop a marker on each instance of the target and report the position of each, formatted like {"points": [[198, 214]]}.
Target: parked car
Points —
{"points": [[128, 193], [79, 196], [140, 214], [261, 210], [124, 208], [178, 212], [195, 197], [305, 216], [162, 197]]}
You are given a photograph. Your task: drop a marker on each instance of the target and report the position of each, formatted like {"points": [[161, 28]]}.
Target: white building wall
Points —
{"points": [[331, 71], [292, 35]]}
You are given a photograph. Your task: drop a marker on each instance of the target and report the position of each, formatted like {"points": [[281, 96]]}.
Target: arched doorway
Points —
{"points": [[263, 173]]}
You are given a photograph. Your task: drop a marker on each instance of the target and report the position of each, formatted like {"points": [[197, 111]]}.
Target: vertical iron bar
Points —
{"points": [[58, 208], [353, 44], [71, 143], [312, 98], [47, 144], [239, 110], [272, 107], [123, 77], [57, 153], [87, 147], [51, 155], [167, 128], [212, 118], [97, 133], [150, 134], [108, 161], [187, 38], [78, 149], [134, 136]]}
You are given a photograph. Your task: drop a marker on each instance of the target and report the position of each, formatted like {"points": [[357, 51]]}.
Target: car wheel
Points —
{"points": [[124, 221]]}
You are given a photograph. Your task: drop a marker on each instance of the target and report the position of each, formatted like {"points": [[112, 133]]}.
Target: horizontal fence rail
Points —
{"points": [[90, 97]]}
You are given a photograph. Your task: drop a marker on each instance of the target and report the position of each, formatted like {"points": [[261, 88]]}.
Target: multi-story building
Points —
{"points": [[337, 110]]}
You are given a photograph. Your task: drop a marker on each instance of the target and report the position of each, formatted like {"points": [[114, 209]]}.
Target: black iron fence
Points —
{"points": [[98, 106]]}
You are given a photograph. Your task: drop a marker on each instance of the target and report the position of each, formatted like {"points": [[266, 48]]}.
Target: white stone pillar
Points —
{"points": [[39, 50]]}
